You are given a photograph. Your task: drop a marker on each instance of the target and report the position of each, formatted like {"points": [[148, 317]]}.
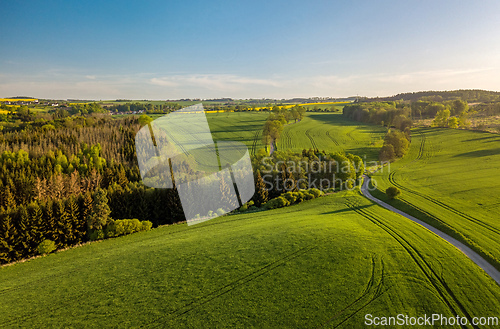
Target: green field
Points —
{"points": [[332, 132], [245, 127], [324, 263], [450, 178], [326, 131]]}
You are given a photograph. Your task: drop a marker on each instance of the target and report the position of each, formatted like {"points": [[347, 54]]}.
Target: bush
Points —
{"points": [[96, 235], [146, 225], [315, 192], [290, 196], [46, 247], [246, 206], [307, 195], [220, 212], [278, 202], [126, 226], [393, 192], [110, 230]]}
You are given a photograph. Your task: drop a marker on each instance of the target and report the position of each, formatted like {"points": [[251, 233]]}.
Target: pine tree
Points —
{"points": [[6, 247], [108, 178], [40, 188], [121, 178], [49, 222], [63, 227], [289, 183], [73, 221], [73, 184], [85, 210], [99, 215], [36, 219], [261, 194], [23, 238], [57, 186], [9, 201]]}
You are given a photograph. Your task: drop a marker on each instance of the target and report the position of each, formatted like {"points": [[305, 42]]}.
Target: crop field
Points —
{"points": [[332, 132], [323, 263], [18, 99], [325, 131], [245, 127], [450, 178]]}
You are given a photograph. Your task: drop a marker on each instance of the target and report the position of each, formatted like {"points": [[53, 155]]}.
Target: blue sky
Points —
{"points": [[246, 49]]}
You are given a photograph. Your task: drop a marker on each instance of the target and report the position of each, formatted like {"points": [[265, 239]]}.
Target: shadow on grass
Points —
{"points": [[347, 209], [479, 153]]}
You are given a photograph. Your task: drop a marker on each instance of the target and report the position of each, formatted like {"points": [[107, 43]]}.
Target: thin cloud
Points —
{"points": [[213, 82], [151, 86]]}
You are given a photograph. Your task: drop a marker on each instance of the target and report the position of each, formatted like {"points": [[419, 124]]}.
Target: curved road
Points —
{"points": [[475, 257]]}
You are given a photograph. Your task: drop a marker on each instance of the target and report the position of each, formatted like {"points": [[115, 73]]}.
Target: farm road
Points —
{"points": [[475, 257]]}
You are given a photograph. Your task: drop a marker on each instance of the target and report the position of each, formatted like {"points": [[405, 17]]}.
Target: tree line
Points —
{"points": [[466, 95], [149, 108], [277, 119], [394, 115]]}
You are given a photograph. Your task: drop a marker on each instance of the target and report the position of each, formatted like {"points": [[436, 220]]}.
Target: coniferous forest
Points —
{"points": [[49, 176]]}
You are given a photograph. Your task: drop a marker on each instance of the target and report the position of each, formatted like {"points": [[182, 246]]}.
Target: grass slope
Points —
{"points": [[450, 178], [333, 132], [324, 263], [245, 127]]}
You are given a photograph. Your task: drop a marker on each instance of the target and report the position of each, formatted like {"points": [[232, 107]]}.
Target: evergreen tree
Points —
{"points": [[85, 210], [23, 236], [261, 194], [121, 178], [9, 201], [99, 215], [73, 184], [288, 180], [73, 221], [36, 219], [49, 222], [62, 227], [6, 246]]}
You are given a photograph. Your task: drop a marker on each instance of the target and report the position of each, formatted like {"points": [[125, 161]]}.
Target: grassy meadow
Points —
{"points": [[245, 127], [334, 133], [323, 263], [450, 178]]}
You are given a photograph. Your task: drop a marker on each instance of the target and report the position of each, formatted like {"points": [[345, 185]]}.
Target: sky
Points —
{"points": [[246, 49]]}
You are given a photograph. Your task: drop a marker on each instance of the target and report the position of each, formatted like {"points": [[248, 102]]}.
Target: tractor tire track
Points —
{"points": [[441, 204], [332, 139], [489, 227], [348, 134], [474, 256], [308, 134], [367, 292], [441, 287]]}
